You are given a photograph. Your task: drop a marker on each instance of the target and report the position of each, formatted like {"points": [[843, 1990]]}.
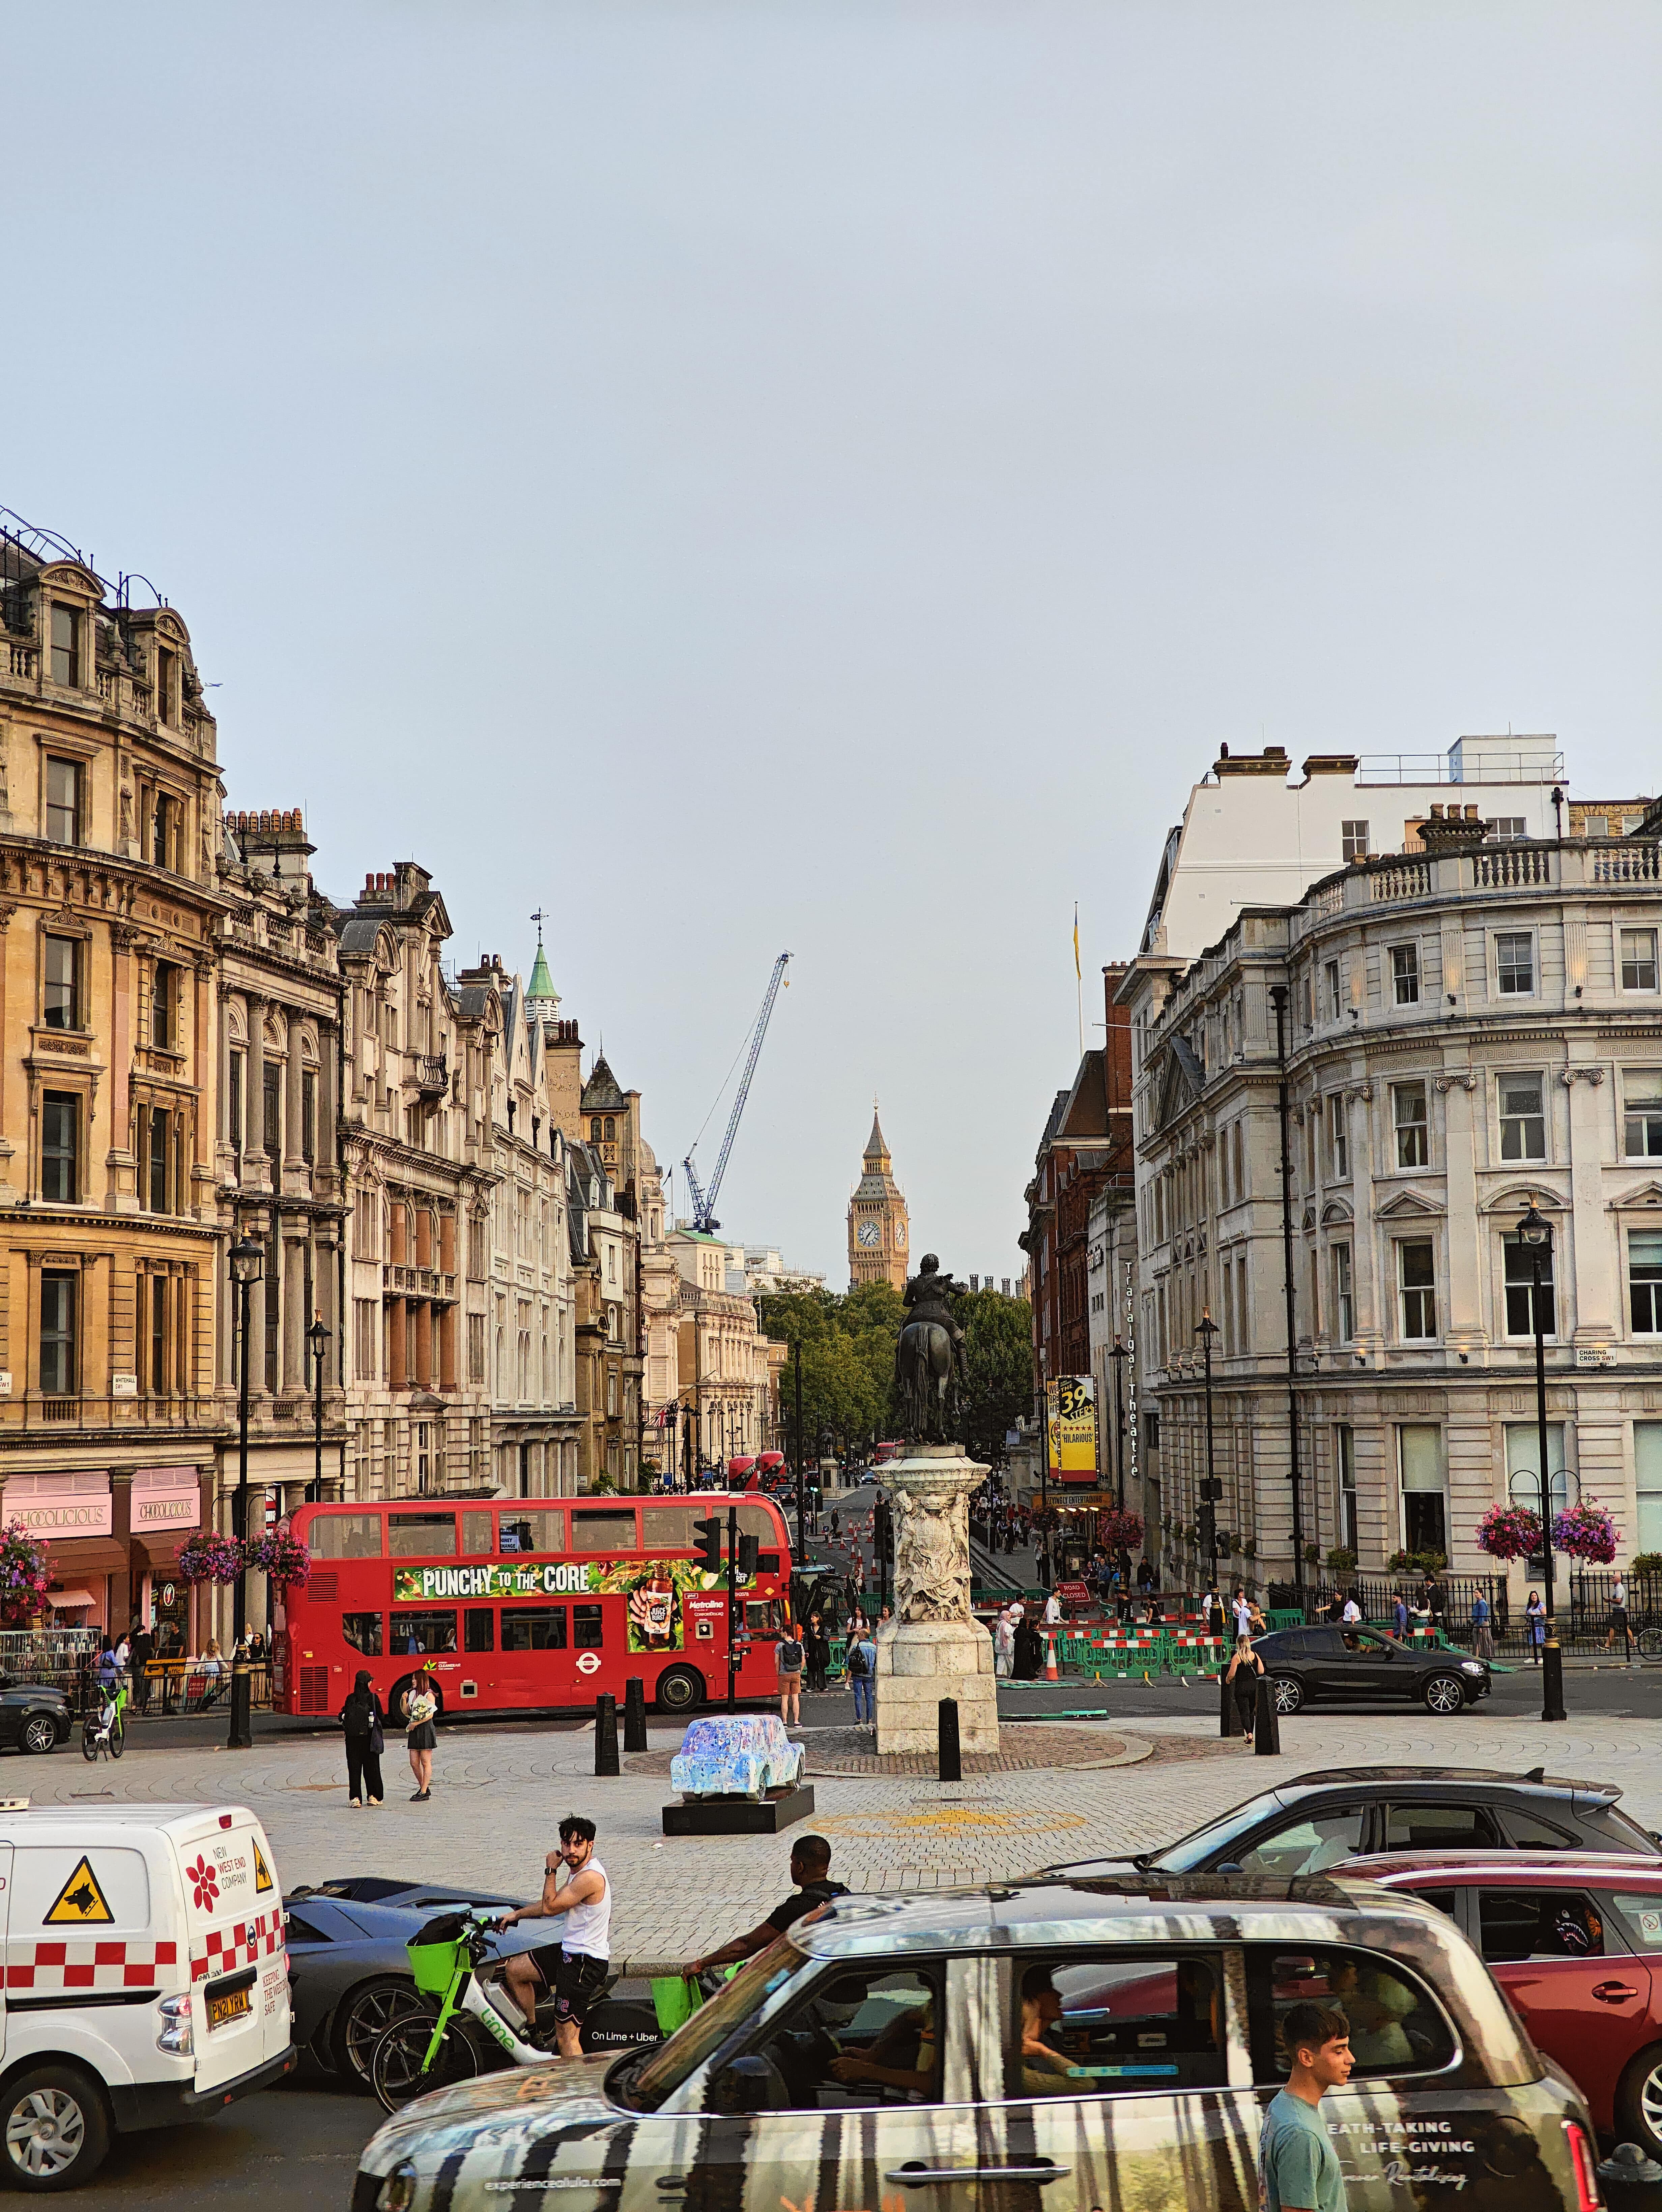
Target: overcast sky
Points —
{"points": [[826, 478]]}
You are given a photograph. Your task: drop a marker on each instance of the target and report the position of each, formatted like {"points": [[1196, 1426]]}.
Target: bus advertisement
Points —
{"points": [[517, 1605]]}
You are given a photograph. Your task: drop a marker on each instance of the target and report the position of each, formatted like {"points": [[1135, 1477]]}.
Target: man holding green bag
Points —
{"points": [[809, 1867]]}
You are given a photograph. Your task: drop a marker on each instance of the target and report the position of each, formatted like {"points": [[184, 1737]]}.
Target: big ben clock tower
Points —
{"points": [[877, 1219]]}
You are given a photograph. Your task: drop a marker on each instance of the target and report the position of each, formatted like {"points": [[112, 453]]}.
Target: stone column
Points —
{"points": [[293, 1162], [936, 1648]]}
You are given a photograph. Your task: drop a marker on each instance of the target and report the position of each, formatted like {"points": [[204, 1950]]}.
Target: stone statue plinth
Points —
{"points": [[933, 1648]]}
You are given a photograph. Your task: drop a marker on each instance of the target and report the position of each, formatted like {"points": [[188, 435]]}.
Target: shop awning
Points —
{"points": [[160, 1552], [86, 1555], [71, 1601]]}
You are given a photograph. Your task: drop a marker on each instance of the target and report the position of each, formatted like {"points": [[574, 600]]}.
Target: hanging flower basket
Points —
{"points": [[1119, 1531], [1510, 1532], [1585, 1532], [282, 1557], [25, 1576], [209, 1557]]}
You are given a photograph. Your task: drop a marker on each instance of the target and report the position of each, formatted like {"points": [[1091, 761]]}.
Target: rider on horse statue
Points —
{"points": [[929, 1367]]}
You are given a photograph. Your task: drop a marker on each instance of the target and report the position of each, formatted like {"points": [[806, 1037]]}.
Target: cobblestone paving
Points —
{"points": [[848, 1751], [498, 1796]]}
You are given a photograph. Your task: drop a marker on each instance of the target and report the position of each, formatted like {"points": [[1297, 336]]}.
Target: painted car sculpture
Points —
{"points": [[736, 1755]]}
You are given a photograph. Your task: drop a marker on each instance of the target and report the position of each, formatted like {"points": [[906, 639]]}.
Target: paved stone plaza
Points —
{"points": [[498, 1795]]}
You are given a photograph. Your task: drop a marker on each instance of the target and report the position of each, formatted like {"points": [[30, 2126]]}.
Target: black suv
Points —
{"points": [[1359, 1664], [1306, 1826]]}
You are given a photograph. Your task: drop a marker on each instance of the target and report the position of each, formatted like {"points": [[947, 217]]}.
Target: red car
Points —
{"points": [[1574, 1939]]}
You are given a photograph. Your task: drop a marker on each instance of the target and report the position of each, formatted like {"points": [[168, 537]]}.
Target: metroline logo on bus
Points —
{"points": [[411, 1584]]}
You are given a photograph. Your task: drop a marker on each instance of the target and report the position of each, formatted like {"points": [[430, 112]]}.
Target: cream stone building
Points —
{"points": [[1465, 1029], [729, 1368]]}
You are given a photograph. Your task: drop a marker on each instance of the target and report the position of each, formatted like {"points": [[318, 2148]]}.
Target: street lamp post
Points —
{"points": [[247, 1261], [1119, 1355], [1535, 1234], [1206, 1328], [317, 1336]]}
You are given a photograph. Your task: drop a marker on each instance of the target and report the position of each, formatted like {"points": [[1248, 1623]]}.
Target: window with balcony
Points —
{"points": [[60, 1148], [1416, 1281], [1523, 1118], [1514, 963], [1645, 1281], [61, 982], [1344, 1304], [1641, 1112], [62, 801], [59, 1334], [1353, 841], [1405, 974], [1524, 1303], [65, 645], [1413, 1128], [1639, 960]]}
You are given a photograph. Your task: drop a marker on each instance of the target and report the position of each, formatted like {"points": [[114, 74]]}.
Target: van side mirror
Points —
{"points": [[743, 2085]]}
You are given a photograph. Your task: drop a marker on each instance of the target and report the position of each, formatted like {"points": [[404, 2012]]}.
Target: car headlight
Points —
{"points": [[398, 2192], [176, 2034], [1471, 1666]]}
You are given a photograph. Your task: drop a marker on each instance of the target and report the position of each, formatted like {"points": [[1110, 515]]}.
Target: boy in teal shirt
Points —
{"points": [[1298, 2167]]}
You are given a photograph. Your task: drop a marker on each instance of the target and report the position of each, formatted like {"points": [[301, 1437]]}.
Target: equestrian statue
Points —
{"points": [[930, 1372]]}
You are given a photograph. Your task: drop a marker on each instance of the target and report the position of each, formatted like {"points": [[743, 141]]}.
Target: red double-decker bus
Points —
{"points": [[524, 1604]]}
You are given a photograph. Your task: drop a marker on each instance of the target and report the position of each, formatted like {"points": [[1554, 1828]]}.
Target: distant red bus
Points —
{"points": [[525, 1604]]}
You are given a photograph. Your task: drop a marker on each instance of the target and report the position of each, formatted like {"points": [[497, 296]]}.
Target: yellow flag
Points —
{"points": [[1079, 973]]}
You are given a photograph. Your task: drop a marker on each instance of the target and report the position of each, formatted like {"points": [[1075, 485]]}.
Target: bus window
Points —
{"points": [[534, 1628], [604, 1531], [479, 1628], [762, 1616], [533, 1532], [363, 1631], [344, 1537], [669, 1528], [476, 1534], [588, 1626], [420, 1633], [421, 1536]]}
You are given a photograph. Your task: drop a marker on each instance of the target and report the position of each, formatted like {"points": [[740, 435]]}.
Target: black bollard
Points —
{"points": [[1267, 1734], [949, 1758], [635, 1735], [1229, 1720], [606, 1735]]}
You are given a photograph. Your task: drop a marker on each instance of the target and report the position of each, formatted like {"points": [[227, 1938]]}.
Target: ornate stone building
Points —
{"points": [[877, 1218], [109, 826]]}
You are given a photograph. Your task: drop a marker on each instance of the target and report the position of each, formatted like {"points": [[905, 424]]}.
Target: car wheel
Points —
{"points": [[1639, 2102], [1444, 1694], [681, 1689], [40, 1733], [1288, 1692], [58, 2133], [362, 2018]]}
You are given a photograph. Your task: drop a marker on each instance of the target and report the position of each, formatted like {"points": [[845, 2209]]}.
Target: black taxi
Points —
{"points": [[1077, 2045]]}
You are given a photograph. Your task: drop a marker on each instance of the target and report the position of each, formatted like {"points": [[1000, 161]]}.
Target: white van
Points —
{"points": [[146, 1977]]}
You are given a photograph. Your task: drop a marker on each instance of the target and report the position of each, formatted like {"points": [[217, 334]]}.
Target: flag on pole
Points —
{"points": [[1079, 973]]}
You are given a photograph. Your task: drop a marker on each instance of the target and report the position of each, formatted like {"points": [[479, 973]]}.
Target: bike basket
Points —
{"points": [[433, 1965]]}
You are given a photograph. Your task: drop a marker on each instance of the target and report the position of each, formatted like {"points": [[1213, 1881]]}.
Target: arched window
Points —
{"points": [[611, 1129], [596, 1128]]}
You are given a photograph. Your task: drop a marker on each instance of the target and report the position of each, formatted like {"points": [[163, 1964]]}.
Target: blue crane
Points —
{"points": [[704, 1201]]}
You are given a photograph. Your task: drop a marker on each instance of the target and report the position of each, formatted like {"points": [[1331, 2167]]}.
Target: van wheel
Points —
{"points": [[681, 1689], [1639, 2102], [1445, 1694], [58, 2134], [40, 1733]]}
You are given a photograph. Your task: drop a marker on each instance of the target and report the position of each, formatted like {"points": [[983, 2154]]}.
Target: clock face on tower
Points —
{"points": [[899, 1236], [870, 1234]]}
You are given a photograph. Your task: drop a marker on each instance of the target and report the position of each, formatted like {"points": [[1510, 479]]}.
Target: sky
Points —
{"points": [[825, 475]]}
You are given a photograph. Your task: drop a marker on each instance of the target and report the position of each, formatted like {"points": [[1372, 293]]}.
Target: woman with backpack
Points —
{"points": [[362, 1722], [788, 1653]]}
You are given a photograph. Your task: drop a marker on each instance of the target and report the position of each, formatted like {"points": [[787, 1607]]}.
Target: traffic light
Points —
{"points": [[748, 1547], [708, 1543]]}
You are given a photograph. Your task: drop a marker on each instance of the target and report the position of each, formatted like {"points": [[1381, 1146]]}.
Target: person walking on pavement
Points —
{"points": [[1299, 2170], [362, 1722], [1619, 1620], [574, 1969], [1243, 1613], [863, 1675], [421, 1739], [1535, 1626], [810, 1869], [1399, 1617], [789, 1656], [1351, 1612], [817, 1651], [1244, 1668], [1482, 1631]]}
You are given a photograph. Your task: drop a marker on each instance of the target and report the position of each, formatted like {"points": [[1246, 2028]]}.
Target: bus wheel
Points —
{"points": [[681, 1689], [398, 1697]]}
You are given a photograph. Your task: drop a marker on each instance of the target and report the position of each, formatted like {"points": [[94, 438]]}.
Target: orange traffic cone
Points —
{"points": [[1051, 1674]]}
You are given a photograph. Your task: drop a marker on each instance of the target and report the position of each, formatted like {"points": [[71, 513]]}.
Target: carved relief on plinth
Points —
{"points": [[931, 1554]]}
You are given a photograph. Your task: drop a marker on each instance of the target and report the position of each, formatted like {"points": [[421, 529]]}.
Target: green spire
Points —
{"points": [[541, 986]]}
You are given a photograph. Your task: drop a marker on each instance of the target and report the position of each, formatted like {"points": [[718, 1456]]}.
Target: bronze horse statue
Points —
{"points": [[929, 1368]]}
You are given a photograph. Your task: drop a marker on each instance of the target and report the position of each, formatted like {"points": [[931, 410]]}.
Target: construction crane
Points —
{"points": [[704, 1201]]}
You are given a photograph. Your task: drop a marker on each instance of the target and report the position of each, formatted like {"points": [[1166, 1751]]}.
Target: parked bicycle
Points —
{"points": [[106, 1729]]}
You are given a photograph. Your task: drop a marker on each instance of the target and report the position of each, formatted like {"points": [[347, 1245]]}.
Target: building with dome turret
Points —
{"points": [[877, 1218]]}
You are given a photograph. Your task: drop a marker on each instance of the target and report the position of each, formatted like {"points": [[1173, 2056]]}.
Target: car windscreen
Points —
{"points": [[1190, 1851], [643, 2087], [1624, 1833]]}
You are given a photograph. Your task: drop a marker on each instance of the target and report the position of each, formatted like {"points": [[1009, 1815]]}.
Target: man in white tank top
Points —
{"points": [[576, 1970]]}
